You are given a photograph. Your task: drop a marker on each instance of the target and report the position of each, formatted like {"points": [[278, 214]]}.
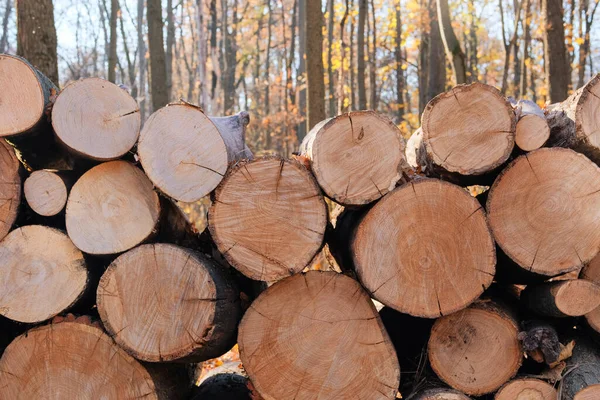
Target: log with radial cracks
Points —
{"points": [[41, 274], [532, 128], [268, 218], [476, 350], [111, 209], [356, 157], [425, 249], [193, 303], [568, 298], [526, 388], [317, 335], [543, 211], [186, 154], [46, 192], [10, 188], [96, 119]]}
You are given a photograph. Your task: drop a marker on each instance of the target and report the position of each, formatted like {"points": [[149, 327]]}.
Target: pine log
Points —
{"points": [[43, 274], [111, 209], [569, 298], [543, 211], [583, 368], [10, 187], [186, 154], [526, 389], [317, 335], [399, 263], [532, 128], [96, 119], [268, 218], [71, 360], [440, 394], [476, 350], [469, 130], [574, 123], [46, 191], [195, 305], [591, 272], [356, 157], [591, 392]]}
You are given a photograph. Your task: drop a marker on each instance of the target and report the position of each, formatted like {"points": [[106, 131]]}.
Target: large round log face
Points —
{"points": [[544, 210], [591, 392], [22, 97], [268, 218], [527, 389], [317, 335], [71, 360], [10, 187], [425, 249]]}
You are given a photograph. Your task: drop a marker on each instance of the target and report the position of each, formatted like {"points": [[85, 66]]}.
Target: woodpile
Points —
{"points": [[108, 291]]}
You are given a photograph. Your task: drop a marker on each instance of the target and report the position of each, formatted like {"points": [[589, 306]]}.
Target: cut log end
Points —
{"points": [[456, 136], [355, 357], [72, 359], [45, 192], [441, 394], [356, 157], [542, 211], [591, 272], [568, 298], [182, 152], [532, 132], [43, 274], [268, 218], [194, 306], [96, 119], [526, 389], [475, 350], [587, 116], [589, 393], [22, 98], [10, 187], [400, 265], [111, 209]]}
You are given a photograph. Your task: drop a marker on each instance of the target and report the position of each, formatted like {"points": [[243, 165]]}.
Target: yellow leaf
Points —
{"points": [[579, 41]]}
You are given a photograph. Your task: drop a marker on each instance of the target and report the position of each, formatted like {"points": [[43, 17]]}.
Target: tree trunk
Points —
{"points": [[142, 60], [10, 188], [170, 45], [568, 298], [436, 61], [455, 55], [523, 387], [46, 191], [314, 63], [5, 19], [130, 63], [158, 66], [351, 69], [370, 364], [202, 56], [112, 47], [291, 89], [555, 51], [399, 63], [301, 74], [259, 248], [330, 83], [473, 44], [526, 41], [373, 61], [360, 54], [424, 60], [532, 128], [267, 77]]}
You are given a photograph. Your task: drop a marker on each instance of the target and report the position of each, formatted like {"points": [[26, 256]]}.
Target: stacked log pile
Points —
{"points": [[107, 291]]}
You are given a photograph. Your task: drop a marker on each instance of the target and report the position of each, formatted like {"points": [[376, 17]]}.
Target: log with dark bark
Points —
{"points": [[268, 218], [540, 340], [43, 274], [356, 157], [591, 272], [226, 382], [440, 394], [526, 388], [574, 122], [46, 191], [532, 128], [195, 305], [186, 154], [568, 298], [542, 211], [10, 187], [583, 368], [476, 350], [111, 209], [355, 357]]}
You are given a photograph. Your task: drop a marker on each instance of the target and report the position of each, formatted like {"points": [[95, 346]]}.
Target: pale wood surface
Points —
{"points": [[268, 218], [162, 302], [96, 119], [10, 187], [45, 192], [591, 392], [591, 272], [317, 335], [71, 360], [42, 274], [111, 209], [356, 157], [425, 249], [182, 152], [526, 389], [544, 210], [475, 350], [532, 132]]}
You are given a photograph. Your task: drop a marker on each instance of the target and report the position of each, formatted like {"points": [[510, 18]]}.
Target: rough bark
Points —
{"points": [[141, 59], [556, 66], [330, 82], [583, 367], [436, 73], [526, 41], [569, 298], [170, 46], [112, 47], [158, 67], [314, 63], [301, 73], [398, 54], [360, 54], [454, 53]]}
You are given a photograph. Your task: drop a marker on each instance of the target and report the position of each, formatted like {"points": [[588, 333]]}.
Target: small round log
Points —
{"points": [[268, 218], [542, 211], [425, 249], [457, 139], [570, 298], [10, 187], [111, 209], [476, 350], [591, 272], [195, 305], [46, 192], [317, 335], [71, 360], [589, 393], [440, 394], [226, 382], [43, 274], [526, 389], [532, 128], [96, 119], [356, 157]]}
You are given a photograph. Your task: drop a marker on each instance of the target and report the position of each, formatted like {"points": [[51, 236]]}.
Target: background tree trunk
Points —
{"points": [[436, 73], [170, 44], [453, 50], [158, 70], [526, 41], [142, 59], [373, 61], [399, 62], [112, 47], [5, 19], [360, 53], [555, 52], [314, 62], [330, 83], [301, 75]]}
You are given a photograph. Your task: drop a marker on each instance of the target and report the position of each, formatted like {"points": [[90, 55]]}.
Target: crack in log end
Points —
{"points": [[470, 215], [589, 194], [376, 187], [351, 126], [437, 297], [281, 165], [535, 256], [456, 97], [123, 115], [361, 135], [532, 170], [201, 166]]}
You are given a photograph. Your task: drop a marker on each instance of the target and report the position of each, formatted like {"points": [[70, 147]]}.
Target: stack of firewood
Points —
{"points": [[478, 239]]}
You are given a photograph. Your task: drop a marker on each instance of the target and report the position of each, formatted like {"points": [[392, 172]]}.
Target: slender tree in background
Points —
{"points": [[526, 42], [473, 43], [453, 50], [130, 62], [360, 54], [509, 44], [291, 56], [314, 63], [170, 44], [158, 68], [112, 48], [142, 59], [587, 12], [423, 55], [202, 54], [36, 35], [301, 73], [330, 83], [373, 61], [5, 19], [436, 73], [399, 61], [341, 94], [555, 52]]}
